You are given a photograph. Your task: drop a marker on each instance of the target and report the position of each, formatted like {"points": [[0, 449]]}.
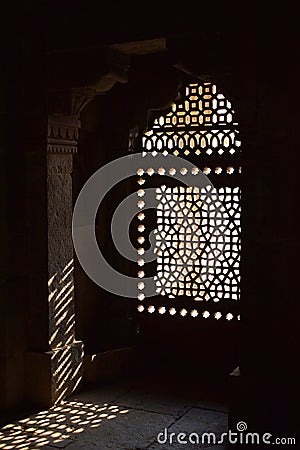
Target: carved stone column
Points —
{"points": [[66, 352], [54, 362]]}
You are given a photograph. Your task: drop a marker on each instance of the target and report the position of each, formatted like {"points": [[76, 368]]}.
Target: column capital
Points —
{"points": [[62, 135]]}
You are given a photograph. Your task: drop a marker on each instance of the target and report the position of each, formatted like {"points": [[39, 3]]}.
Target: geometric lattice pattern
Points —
{"points": [[202, 123], [197, 238], [198, 243]]}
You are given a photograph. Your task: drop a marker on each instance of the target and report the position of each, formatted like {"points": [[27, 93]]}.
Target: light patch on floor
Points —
{"points": [[119, 417]]}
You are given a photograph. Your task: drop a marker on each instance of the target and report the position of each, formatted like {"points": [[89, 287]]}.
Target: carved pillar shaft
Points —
{"points": [[66, 352], [54, 360]]}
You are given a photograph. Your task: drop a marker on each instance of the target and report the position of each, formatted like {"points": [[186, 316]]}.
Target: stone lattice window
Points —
{"points": [[198, 255]]}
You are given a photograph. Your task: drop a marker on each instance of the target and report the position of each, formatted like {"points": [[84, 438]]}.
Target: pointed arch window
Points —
{"points": [[201, 127]]}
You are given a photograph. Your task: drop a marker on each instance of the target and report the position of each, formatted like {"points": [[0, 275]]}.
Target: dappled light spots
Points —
{"points": [[66, 352], [56, 426]]}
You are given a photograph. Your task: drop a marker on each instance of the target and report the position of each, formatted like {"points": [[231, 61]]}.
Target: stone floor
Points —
{"points": [[123, 416]]}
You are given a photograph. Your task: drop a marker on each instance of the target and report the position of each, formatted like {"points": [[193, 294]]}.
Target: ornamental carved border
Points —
{"points": [[62, 134]]}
